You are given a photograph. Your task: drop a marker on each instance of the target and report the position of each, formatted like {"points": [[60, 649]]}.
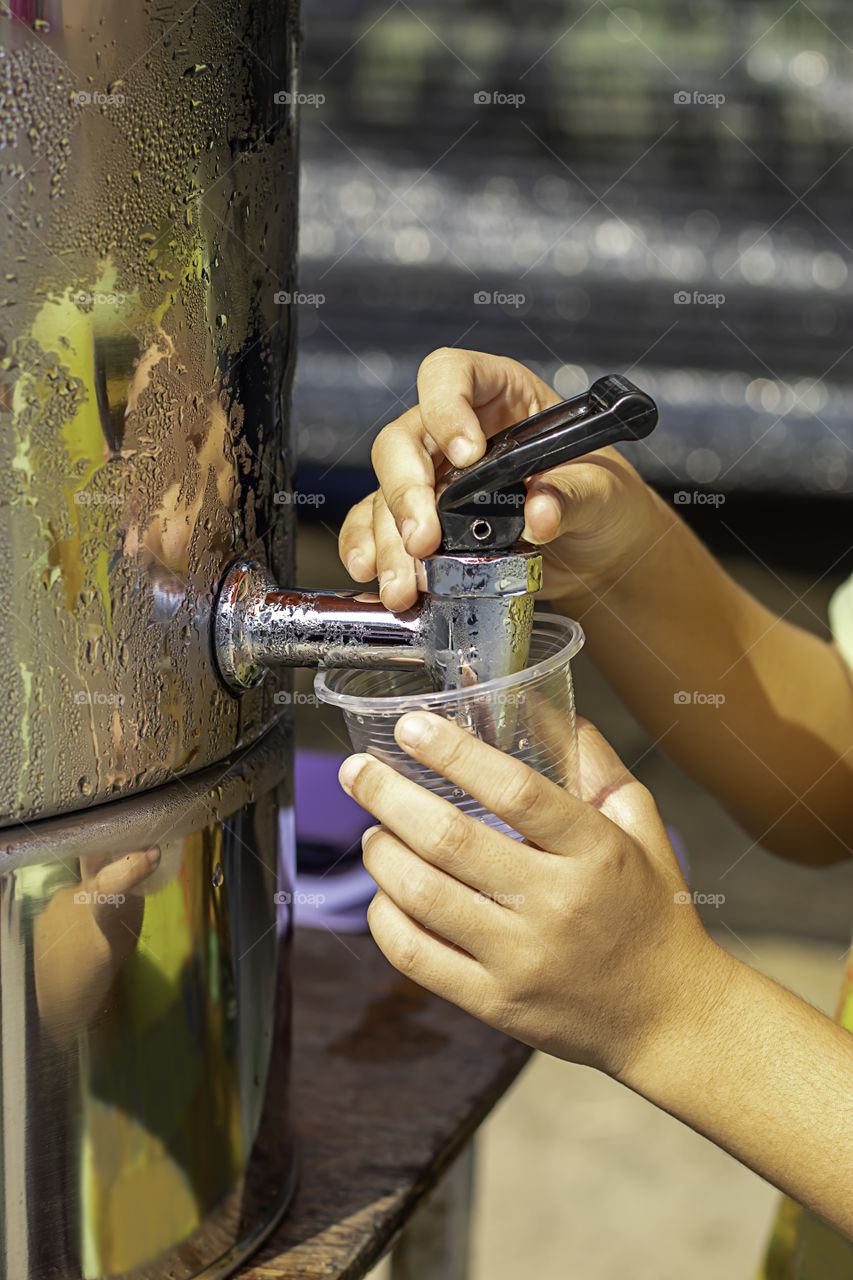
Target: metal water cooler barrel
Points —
{"points": [[148, 184]]}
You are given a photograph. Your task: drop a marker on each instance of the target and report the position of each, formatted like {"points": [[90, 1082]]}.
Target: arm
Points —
{"points": [[584, 943], [766, 1077], [660, 614], [768, 728]]}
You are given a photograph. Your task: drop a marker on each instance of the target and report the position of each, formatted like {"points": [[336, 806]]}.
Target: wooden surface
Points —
{"points": [[389, 1084]]}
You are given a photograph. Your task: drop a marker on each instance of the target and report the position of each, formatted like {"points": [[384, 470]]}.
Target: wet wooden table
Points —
{"points": [[390, 1085]]}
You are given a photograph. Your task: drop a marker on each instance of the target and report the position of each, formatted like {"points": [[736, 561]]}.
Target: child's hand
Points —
{"points": [[109, 886], [583, 942], [596, 514]]}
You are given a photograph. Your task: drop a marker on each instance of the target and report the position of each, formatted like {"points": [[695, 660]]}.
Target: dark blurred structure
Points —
{"points": [[669, 188]]}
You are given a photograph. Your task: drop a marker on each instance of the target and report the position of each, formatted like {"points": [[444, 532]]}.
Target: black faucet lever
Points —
{"points": [[481, 507]]}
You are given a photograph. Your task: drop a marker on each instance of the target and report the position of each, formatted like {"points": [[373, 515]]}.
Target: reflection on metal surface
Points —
{"points": [[145, 1030], [147, 171]]}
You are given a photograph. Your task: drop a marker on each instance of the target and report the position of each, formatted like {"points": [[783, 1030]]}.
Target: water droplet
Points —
{"points": [[523, 744], [218, 875]]}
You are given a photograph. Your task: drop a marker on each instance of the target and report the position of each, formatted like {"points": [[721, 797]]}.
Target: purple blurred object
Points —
{"points": [[680, 850], [325, 814], [332, 888]]}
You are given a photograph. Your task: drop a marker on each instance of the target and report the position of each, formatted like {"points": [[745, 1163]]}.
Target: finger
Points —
{"points": [[91, 863], [573, 498], [356, 542], [470, 920], [395, 567], [470, 851], [532, 805], [610, 787], [403, 458], [466, 396], [126, 873], [605, 781], [433, 964], [446, 381]]}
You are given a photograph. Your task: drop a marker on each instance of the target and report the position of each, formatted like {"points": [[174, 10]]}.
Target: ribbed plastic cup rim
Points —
{"points": [[399, 702]]}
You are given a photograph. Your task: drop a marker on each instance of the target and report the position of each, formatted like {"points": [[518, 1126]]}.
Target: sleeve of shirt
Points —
{"points": [[841, 620]]}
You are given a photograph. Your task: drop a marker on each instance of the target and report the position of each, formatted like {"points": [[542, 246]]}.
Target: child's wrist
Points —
{"points": [[690, 1030]]}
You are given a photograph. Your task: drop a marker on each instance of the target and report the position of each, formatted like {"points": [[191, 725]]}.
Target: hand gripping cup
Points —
{"points": [[530, 715]]}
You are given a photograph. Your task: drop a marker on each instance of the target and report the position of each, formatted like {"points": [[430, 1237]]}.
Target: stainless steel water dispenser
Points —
{"points": [[148, 181]]}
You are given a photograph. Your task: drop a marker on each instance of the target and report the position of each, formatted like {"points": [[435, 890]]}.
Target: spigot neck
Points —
{"points": [[259, 624]]}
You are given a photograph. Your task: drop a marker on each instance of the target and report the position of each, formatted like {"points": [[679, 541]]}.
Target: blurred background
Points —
{"points": [[663, 190]]}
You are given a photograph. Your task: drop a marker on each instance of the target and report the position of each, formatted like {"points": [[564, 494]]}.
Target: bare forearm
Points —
{"points": [[765, 718], [764, 1076]]}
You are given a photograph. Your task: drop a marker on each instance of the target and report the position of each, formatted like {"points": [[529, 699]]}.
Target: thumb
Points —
{"points": [[126, 873], [570, 498]]}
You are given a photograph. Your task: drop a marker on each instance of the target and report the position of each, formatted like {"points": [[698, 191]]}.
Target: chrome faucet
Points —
{"points": [[474, 615]]}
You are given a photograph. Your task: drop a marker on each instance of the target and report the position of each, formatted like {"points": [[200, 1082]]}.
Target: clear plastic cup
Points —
{"points": [[530, 715]]}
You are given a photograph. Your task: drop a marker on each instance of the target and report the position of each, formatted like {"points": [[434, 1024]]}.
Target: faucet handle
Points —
{"points": [[482, 506]]}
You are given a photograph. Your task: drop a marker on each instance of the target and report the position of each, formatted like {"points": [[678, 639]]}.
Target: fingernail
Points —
{"points": [[356, 564], [349, 771], [365, 835], [154, 856], [413, 729], [409, 527], [386, 578], [461, 451]]}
